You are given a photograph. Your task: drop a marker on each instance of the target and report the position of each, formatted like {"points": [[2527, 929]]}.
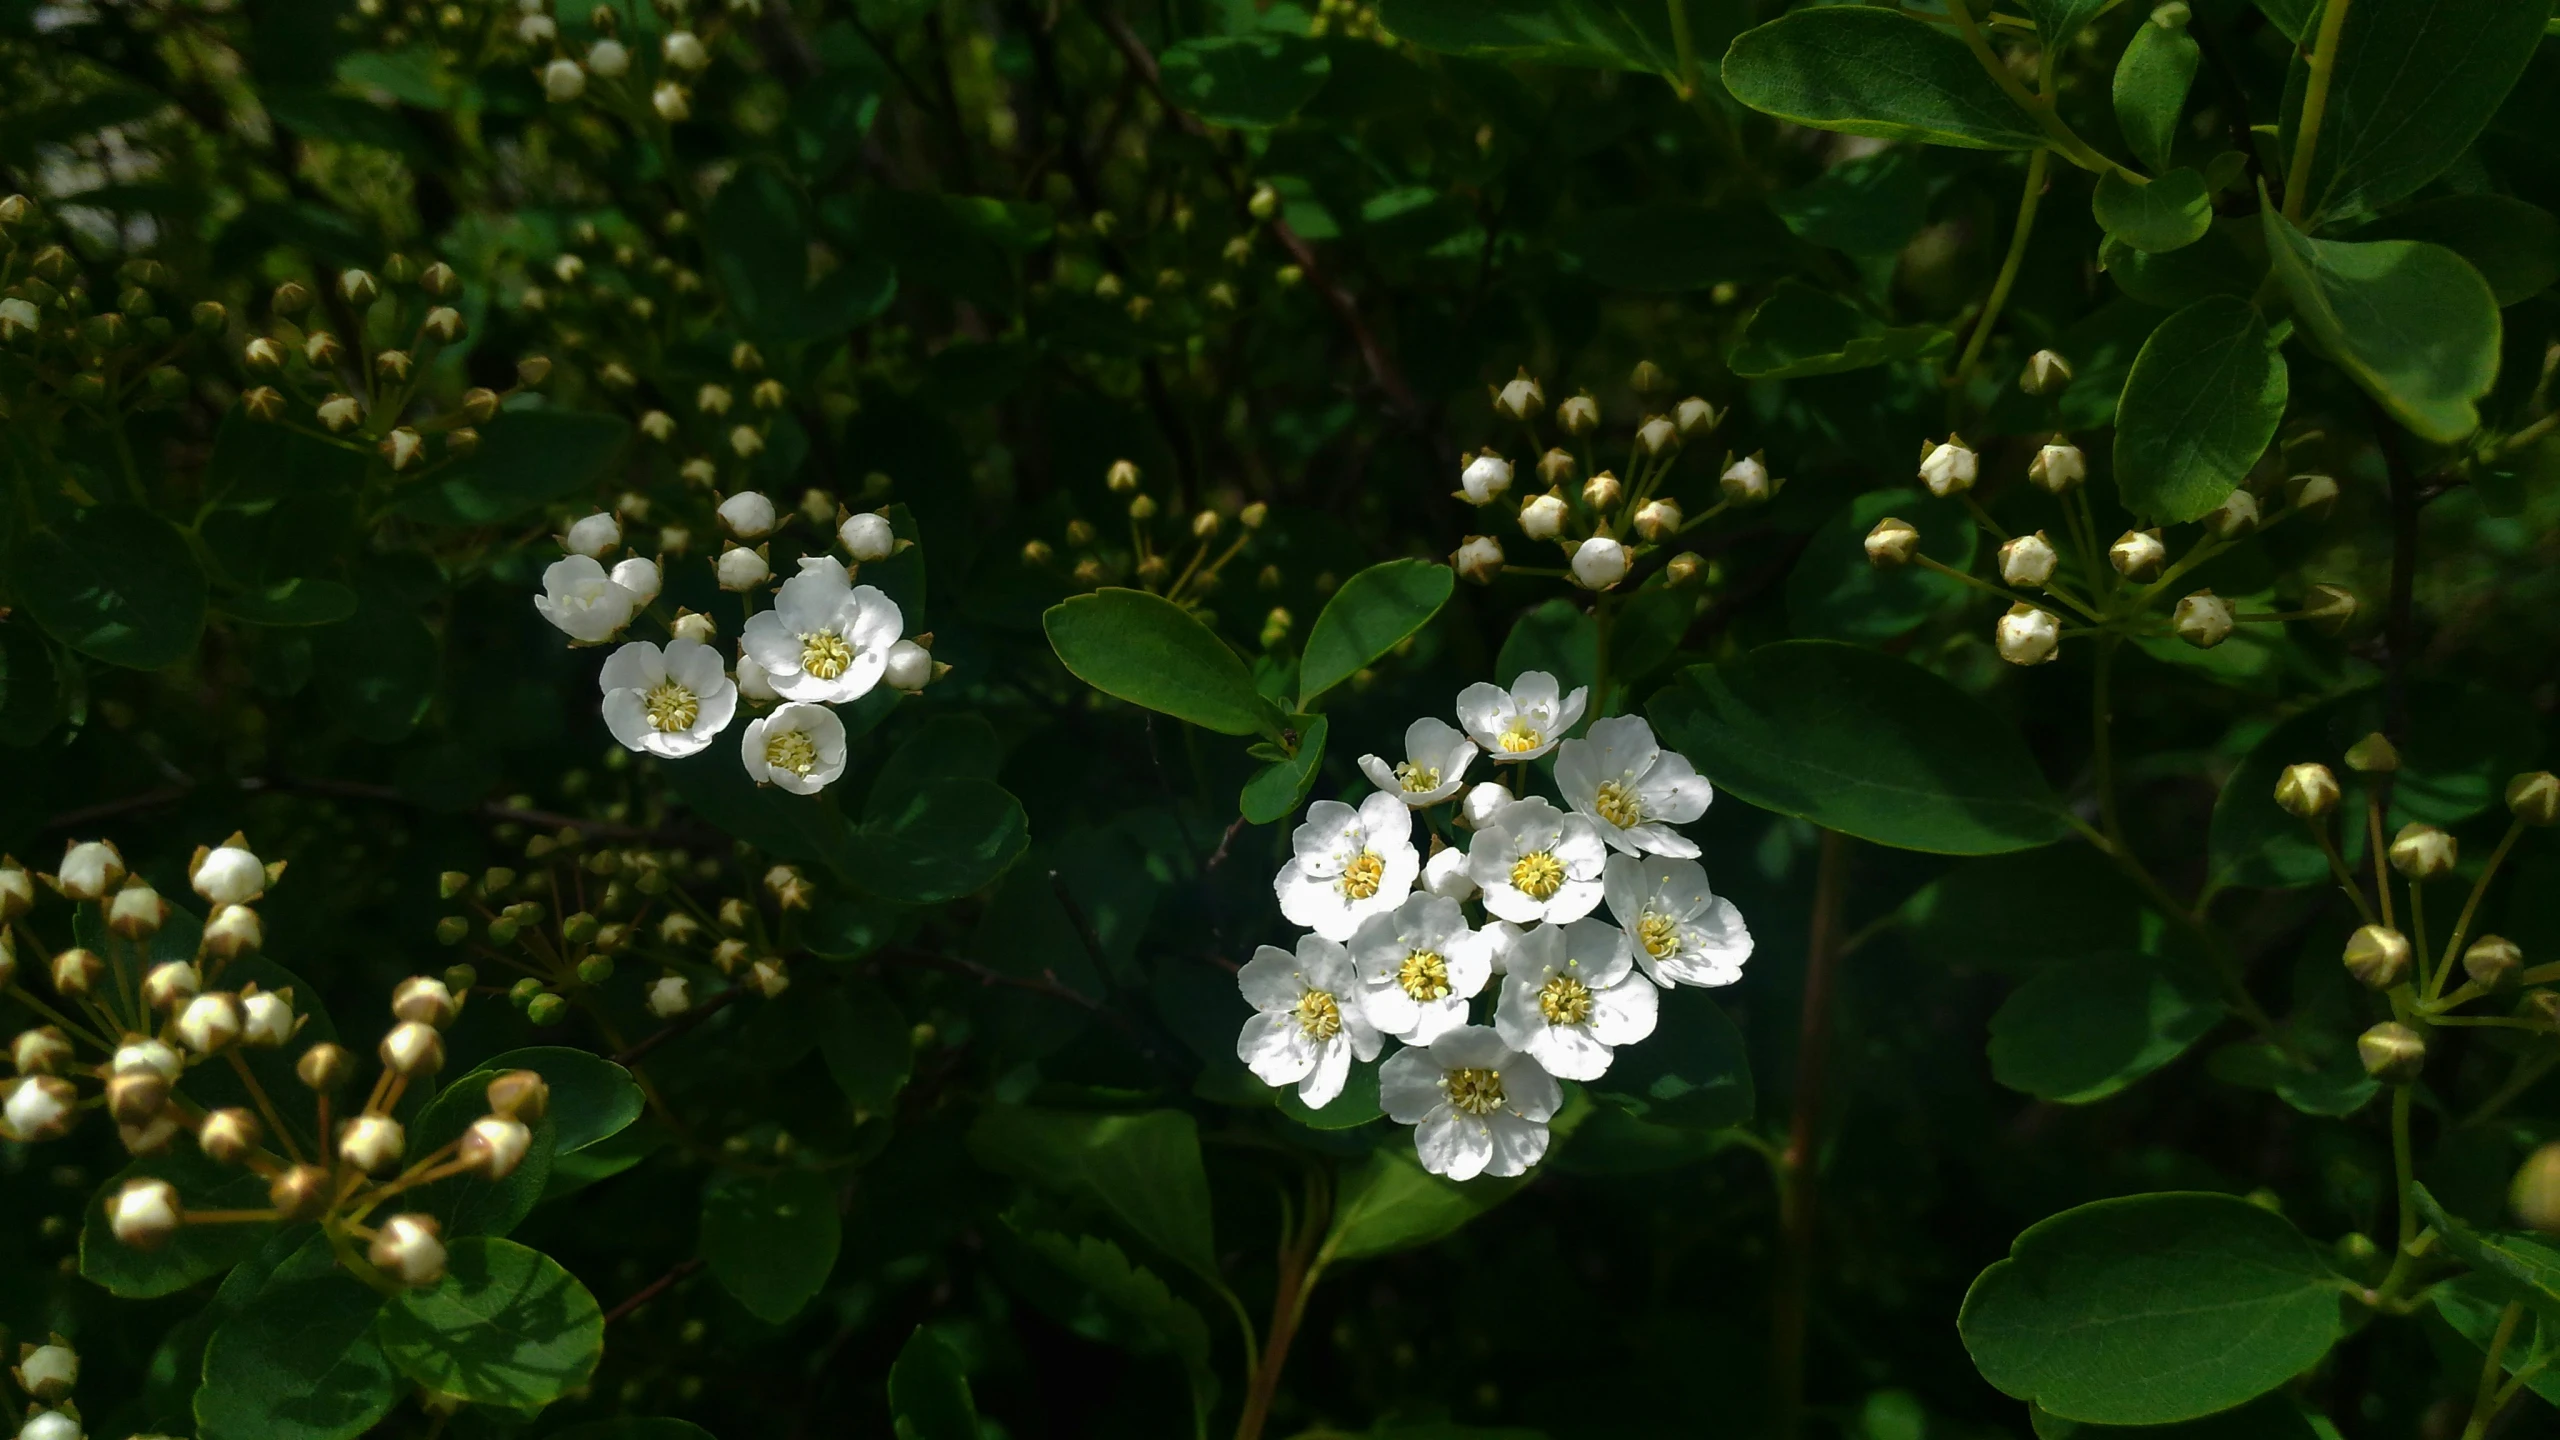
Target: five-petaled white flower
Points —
{"points": [[583, 601], [799, 747], [1570, 995], [1349, 865], [1523, 722], [1682, 932], [1434, 767], [826, 639], [1536, 862], [669, 702], [1419, 965], [1478, 1107], [1309, 1028], [1633, 789]]}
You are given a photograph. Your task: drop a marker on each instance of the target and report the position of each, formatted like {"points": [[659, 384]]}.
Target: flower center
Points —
{"points": [[824, 654], [1659, 934], [1424, 975], [791, 750], [1319, 1016], [1564, 1001], [1520, 737], [1474, 1091], [670, 706], [1617, 804], [1538, 874], [1417, 777], [1360, 878]]}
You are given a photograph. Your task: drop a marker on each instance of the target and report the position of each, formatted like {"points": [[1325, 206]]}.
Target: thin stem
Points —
{"points": [[2527, 1075], [1602, 614], [266, 1107], [2102, 738], [2471, 905], [2373, 843], [2037, 166], [2315, 104], [2484, 1405], [2037, 107], [2429, 982], [2403, 1169], [1796, 1165], [2319, 829]]}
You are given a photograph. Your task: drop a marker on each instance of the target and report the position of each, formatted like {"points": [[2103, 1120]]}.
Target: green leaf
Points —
{"points": [[2413, 323], [1128, 1305], [1864, 70], [526, 458], [299, 1362], [2170, 213], [633, 1428], [953, 747], [804, 828], [2474, 1304], [1862, 743], [1834, 594], [1800, 330], [506, 1326], [771, 1239], [2198, 410], [757, 232], [1151, 652], [290, 602], [950, 838], [2270, 1417], [2151, 85], [1279, 788], [2415, 85], [1373, 613], [377, 669], [1253, 81], [2057, 21], [2333, 1083], [2526, 1267], [2151, 1309], [473, 1204], [1558, 637], [31, 693], [1870, 206], [197, 1252], [929, 1391], [2083, 1029], [867, 1044], [1142, 1170], [1391, 1203], [592, 1098], [1356, 1106], [2014, 914], [115, 583], [2514, 245], [1674, 246], [1608, 34], [2222, 263], [1693, 1073]]}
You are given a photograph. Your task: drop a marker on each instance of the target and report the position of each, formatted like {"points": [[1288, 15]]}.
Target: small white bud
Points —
{"points": [[2057, 467], [658, 425], [2029, 636], [425, 1000], [136, 911], [2307, 791], [1521, 399], [1746, 481], [40, 1051], [144, 1214], [339, 413], [228, 874], [409, 1249], [171, 984], [371, 1143], [1485, 478], [145, 1057], [910, 667], [1694, 415], [746, 441], [51, 1425], [495, 1145], [563, 80], [596, 535], [1599, 563], [740, 568], [210, 1022], [2423, 852], [1445, 875], [90, 870], [537, 30], [670, 996], [748, 515], [2237, 516], [608, 59], [684, 50], [713, 399], [1949, 467], [768, 977], [2047, 373], [2203, 619], [672, 101], [2313, 495], [39, 1108], [49, 1371], [234, 931], [1892, 543], [753, 683], [1543, 518], [695, 626], [1658, 519], [1482, 802], [2028, 561], [266, 1019], [1479, 559], [2138, 554], [639, 575], [412, 1048], [1657, 435], [867, 537]]}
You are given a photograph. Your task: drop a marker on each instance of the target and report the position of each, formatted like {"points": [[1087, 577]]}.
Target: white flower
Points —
{"points": [[747, 515], [579, 598], [667, 702], [1633, 789], [1308, 1031], [1683, 933], [825, 639], [670, 996], [1542, 518], [1445, 874], [740, 568], [562, 80], [799, 747], [1534, 862], [1349, 865], [867, 537], [752, 683], [1949, 468], [1485, 478], [598, 535], [1501, 937], [1418, 966], [90, 868], [1570, 995], [1434, 767], [910, 667], [229, 875], [639, 575], [1477, 1106], [1599, 563], [608, 59], [1523, 722]]}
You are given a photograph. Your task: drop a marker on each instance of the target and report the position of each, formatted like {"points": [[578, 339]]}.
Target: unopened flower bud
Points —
{"points": [[1523, 399], [768, 977], [137, 1099], [358, 288], [696, 626], [2028, 561], [2057, 467], [171, 984], [77, 971], [2534, 798], [2423, 852], [423, 999], [519, 1095], [2492, 961], [748, 515], [90, 870], [1485, 478], [1892, 543], [1647, 378], [2307, 791], [301, 1192], [479, 403], [409, 1249], [2046, 374], [608, 59], [262, 355], [2235, 517], [1478, 559], [234, 931], [210, 1022], [2373, 755], [1556, 469], [563, 80], [1543, 517], [1579, 415], [867, 537], [49, 1371], [1143, 508], [266, 1018], [265, 403], [684, 50], [2330, 607], [145, 1213], [495, 1145], [2138, 554], [2534, 1196], [1658, 519], [1599, 563], [2392, 1053], [1602, 492], [339, 413], [1949, 467], [412, 1048], [136, 912], [17, 891], [740, 568], [1252, 516], [38, 1108], [1657, 435], [229, 1136], [2377, 956], [1695, 417], [909, 667], [670, 996], [324, 1067], [532, 370], [444, 324], [1746, 481], [2028, 635], [40, 1051], [2313, 495], [746, 442], [2203, 619], [393, 365], [402, 448], [596, 535], [371, 1143], [639, 575]]}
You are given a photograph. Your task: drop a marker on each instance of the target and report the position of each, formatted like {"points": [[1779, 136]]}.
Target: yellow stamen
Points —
{"points": [[1473, 1091], [1424, 975], [791, 750], [1361, 878], [670, 706], [1564, 1001], [1619, 805], [1319, 1015], [1659, 934], [824, 655], [1520, 737], [1416, 777], [1538, 874]]}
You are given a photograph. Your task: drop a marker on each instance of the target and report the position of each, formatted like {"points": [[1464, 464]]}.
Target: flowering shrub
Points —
{"points": [[1435, 720]]}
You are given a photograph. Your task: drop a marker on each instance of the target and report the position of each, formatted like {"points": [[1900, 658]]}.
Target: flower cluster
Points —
{"points": [[1403, 944], [1181, 555], [825, 642], [47, 1373]]}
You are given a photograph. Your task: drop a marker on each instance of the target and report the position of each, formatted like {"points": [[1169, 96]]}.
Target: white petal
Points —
{"points": [[1445, 875], [1458, 1146], [1654, 839], [1530, 1090], [1568, 1052], [1391, 1011], [1517, 1143], [1382, 774], [638, 665], [1576, 899], [1409, 1086], [1276, 1049], [1270, 980], [1325, 1081], [626, 714], [1624, 1013], [772, 644]]}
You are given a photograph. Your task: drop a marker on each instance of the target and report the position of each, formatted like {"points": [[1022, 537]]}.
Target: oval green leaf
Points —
{"points": [[1862, 743], [1279, 788], [2151, 85], [1864, 70], [1253, 80], [2413, 323], [115, 583], [299, 1362], [1834, 594], [1695, 1072], [929, 1391], [1391, 1203], [2198, 410], [196, 1252], [951, 837], [506, 1326], [771, 1239], [291, 602], [1148, 651], [2449, 61], [1371, 614], [2152, 1309], [1800, 331], [525, 458], [2514, 245], [2080, 1030], [2170, 213], [1143, 1170]]}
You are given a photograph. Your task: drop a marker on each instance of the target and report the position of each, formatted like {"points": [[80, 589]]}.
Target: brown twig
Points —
{"points": [[652, 1290], [1795, 1272]]}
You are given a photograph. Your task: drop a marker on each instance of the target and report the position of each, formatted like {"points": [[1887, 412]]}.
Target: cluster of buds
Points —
{"points": [[610, 75], [1349, 19], [1181, 555], [354, 387], [98, 346], [1604, 526], [724, 425], [2109, 591], [679, 921], [46, 1374]]}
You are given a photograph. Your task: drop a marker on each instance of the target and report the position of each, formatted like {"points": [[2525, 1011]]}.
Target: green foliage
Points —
{"points": [[2151, 84], [2170, 213], [2083, 1029], [2413, 323], [115, 583], [2198, 410], [1142, 649], [929, 1392], [1249, 80], [1868, 71], [1801, 331], [299, 1362], [1374, 611], [771, 1239], [506, 1326], [1142, 1171]]}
